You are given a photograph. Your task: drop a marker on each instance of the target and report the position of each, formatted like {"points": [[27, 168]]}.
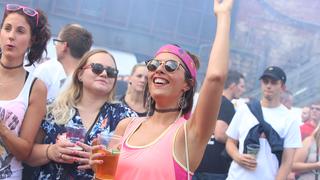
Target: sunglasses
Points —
{"points": [[98, 69], [169, 65], [26, 10]]}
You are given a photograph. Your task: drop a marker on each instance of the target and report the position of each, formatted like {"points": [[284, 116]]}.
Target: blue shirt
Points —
{"points": [[107, 120]]}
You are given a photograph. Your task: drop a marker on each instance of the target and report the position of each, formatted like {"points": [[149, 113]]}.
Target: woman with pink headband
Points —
{"points": [[169, 143]]}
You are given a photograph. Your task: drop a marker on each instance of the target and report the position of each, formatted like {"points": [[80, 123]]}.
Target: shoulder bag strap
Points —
{"points": [[186, 149]]}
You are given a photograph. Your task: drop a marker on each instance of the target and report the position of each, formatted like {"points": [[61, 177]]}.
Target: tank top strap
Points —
{"points": [[26, 90], [133, 125]]}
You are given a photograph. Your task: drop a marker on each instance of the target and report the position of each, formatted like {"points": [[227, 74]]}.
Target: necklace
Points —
{"points": [[167, 110], [11, 67]]}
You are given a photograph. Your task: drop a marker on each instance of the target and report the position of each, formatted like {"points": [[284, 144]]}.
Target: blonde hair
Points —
{"points": [[63, 107]]}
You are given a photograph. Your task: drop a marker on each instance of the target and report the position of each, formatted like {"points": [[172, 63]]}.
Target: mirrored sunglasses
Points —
{"points": [[169, 65]]}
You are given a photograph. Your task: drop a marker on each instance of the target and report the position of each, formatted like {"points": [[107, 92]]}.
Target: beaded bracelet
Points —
{"points": [[47, 152]]}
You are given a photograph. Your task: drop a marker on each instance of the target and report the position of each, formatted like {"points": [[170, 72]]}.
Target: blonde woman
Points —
{"points": [[135, 91], [306, 160], [86, 102]]}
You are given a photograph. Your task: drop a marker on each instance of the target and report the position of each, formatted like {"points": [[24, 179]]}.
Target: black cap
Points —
{"points": [[275, 73]]}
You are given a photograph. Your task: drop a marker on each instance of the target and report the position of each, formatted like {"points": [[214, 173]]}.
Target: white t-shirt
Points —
{"points": [[53, 75], [267, 164]]}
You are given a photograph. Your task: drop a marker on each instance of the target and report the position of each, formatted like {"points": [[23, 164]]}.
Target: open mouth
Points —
{"points": [[160, 81]]}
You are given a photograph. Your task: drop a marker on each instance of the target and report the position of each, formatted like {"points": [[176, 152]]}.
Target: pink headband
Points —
{"points": [[169, 48]]}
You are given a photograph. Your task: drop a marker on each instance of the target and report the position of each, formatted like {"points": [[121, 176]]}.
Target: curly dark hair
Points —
{"points": [[40, 34]]}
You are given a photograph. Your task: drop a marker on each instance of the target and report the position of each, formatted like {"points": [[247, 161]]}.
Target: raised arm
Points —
{"points": [[201, 124], [204, 118], [299, 161]]}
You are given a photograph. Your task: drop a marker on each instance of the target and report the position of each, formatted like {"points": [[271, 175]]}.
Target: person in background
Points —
{"points": [[305, 114], [306, 163], [286, 99], [278, 136], [24, 32], [169, 143], [215, 152], [71, 44], [136, 84], [310, 125], [87, 102]]}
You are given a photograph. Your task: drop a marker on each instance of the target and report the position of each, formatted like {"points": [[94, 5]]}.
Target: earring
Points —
{"points": [[182, 101], [28, 50], [150, 103]]}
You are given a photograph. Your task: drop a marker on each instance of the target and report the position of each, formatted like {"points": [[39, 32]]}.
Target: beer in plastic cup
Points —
{"points": [[108, 168]]}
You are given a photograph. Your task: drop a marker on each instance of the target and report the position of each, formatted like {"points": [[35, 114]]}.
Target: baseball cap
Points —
{"points": [[275, 72]]}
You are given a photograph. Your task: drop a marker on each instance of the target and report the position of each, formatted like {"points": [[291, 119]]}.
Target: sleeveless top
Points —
{"points": [[12, 113], [311, 158], [153, 161]]}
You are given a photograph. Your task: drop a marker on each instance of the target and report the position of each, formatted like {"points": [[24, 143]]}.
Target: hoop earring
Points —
{"points": [[28, 50], [150, 103], [182, 101]]}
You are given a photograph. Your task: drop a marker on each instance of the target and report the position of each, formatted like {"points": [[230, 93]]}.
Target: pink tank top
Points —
{"points": [[12, 114], [153, 161]]}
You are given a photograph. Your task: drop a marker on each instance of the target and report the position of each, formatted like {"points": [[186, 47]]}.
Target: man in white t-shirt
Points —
{"points": [[71, 44], [265, 166]]}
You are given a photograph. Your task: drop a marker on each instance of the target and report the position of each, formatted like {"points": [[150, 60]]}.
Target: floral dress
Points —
{"points": [[107, 120]]}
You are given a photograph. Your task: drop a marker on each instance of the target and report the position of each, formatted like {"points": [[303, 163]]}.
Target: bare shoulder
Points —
{"points": [[38, 86], [123, 124]]}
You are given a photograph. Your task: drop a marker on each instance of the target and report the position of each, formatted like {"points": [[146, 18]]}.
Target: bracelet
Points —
{"points": [[47, 152]]}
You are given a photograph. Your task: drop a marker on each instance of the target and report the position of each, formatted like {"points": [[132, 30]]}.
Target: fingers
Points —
{"points": [[248, 162], [65, 158], [84, 167], [222, 5], [85, 147], [95, 159], [60, 153]]}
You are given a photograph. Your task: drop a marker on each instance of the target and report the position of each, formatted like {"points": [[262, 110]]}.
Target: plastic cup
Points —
{"points": [[253, 149], [108, 168], [75, 133]]}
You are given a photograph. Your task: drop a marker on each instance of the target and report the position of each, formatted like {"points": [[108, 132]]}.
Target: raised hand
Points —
{"points": [[222, 6]]}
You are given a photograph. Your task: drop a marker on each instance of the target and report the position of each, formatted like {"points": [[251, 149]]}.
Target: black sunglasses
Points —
{"points": [[169, 65], [98, 69]]}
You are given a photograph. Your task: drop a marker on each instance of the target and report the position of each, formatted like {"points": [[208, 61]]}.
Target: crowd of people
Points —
{"points": [[163, 135]]}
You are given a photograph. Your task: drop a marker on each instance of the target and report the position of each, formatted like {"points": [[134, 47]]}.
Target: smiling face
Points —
{"points": [[15, 36], [99, 84], [167, 86]]}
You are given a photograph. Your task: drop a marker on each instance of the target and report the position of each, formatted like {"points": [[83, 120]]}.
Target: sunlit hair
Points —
{"points": [[135, 67], [188, 95], [40, 34], [62, 108]]}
